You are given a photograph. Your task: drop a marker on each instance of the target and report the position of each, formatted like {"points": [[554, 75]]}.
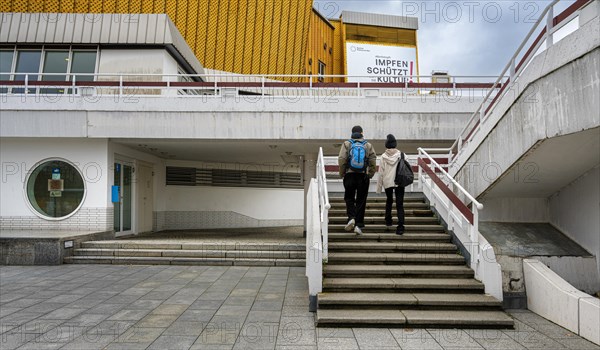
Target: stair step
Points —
{"points": [[445, 271], [407, 300], [381, 205], [129, 260], [387, 237], [381, 212], [414, 318], [391, 247], [266, 254], [406, 284], [380, 220], [382, 228], [395, 258], [140, 244], [380, 199]]}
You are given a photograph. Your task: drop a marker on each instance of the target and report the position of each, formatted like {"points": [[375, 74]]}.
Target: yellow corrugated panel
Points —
{"points": [[13, 6], [66, 6], [35, 6], [240, 32], [221, 31], [135, 6], [290, 39], [122, 7], [181, 13], [192, 21], [247, 43], [212, 37], [302, 40], [171, 9], [108, 6], [147, 6], [264, 59], [276, 37], [201, 28], [229, 47], [51, 5], [259, 23], [95, 6], [160, 6]]}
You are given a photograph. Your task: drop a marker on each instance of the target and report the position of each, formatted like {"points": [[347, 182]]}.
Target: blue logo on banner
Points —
{"points": [[55, 170]]}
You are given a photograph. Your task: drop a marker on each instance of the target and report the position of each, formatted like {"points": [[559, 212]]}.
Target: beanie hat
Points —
{"points": [[390, 142]]}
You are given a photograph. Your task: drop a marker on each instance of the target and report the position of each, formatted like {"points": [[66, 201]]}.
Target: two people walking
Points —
{"points": [[357, 165]]}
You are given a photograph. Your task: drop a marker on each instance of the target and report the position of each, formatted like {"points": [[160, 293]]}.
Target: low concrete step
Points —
{"points": [[414, 318], [407, 300], [130, 260], [381, 205], [380, 220], [380, 199], [258, 254], [422, 271], [377, 228], [150, 244], [391, 247], [460, 285], [381, 212], [389, 237], [395, 258]]}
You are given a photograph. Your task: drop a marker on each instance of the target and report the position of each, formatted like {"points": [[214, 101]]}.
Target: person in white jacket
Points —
{"points": [[387, 174]]}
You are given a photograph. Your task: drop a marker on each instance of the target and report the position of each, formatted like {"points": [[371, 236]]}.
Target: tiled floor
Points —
{"points": [[181, 307]]}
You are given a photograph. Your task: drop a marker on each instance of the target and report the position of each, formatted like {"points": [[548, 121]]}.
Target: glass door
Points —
{"points": [[122, 214]]}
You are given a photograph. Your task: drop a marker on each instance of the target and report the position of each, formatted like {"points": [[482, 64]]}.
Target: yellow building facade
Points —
{"points": [[275, 37]]}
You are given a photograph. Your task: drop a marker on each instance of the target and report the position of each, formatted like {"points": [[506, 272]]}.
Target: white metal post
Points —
{"points": [[549, 27]]}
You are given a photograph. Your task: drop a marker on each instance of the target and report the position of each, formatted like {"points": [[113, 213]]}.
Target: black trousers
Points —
{"points": [[356, 187], [389, 192]]}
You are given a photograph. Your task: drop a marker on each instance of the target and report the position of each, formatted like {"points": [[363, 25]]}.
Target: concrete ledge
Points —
{"points": [[553, 298], [42, 247]]}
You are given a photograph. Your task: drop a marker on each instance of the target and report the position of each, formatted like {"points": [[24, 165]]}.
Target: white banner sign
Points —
{"points": [[380, 63]]}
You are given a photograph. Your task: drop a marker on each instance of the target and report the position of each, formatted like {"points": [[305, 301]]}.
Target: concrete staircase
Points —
{"points": [[418, 279], [171, 253]]}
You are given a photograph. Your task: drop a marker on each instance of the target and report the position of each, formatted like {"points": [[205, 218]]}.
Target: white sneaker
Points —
{"points": [[349, 226], [358, 231]]}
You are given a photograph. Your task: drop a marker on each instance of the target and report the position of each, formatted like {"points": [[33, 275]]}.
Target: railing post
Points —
{"points": [[26, 91], [549, 27], [262, 87], [512, 71], [120, 86], [310, 88]]}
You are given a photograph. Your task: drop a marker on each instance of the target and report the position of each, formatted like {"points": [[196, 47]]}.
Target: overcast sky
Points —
{"points": [[462, 37]]}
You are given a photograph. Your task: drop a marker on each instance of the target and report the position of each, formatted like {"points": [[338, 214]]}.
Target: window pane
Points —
{"points": [[6, 60], [84, 62], [55, 189], [27, 62], [55, 62]]}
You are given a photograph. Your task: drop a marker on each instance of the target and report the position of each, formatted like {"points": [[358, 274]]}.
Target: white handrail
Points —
{"points": [[454, 182], [511, 68], [324, 205]]}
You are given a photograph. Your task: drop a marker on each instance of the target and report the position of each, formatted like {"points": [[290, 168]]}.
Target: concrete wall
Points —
{"points": [[19, 156], [514, 210], [196, 207], [553, 298], [575, 211]]}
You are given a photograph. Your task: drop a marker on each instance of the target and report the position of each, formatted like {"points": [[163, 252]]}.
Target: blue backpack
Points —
{"points": [[357, 156]]}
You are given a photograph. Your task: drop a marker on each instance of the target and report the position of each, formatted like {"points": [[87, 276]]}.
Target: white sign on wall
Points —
{"points": [[380, 63]]}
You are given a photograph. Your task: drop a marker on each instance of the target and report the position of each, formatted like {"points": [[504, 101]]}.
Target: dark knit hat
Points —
{"points": [[390, 142]]}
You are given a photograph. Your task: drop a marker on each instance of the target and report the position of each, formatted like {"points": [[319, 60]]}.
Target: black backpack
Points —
{"points": [[404, 173]]}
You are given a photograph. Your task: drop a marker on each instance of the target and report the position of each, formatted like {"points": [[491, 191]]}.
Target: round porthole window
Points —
{"points": [[55, 189]]}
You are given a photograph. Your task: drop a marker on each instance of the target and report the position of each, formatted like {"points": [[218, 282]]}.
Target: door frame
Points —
{"points": [[129, 162]]}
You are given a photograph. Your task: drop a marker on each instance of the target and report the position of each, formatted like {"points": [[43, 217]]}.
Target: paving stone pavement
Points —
{"points": [[211, 307]]}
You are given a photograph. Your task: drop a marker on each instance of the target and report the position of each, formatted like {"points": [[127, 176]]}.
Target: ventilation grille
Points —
{"points": [[231, 178]]}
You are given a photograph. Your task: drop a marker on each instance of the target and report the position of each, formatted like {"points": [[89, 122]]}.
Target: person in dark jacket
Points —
{"points": [[356, 182]]}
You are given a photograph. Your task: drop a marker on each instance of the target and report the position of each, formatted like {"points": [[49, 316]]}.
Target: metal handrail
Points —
{"points": [[514, 70], [324, 204], [454, 182]]}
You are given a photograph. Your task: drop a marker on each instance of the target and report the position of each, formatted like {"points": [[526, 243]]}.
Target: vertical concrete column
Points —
{"points": [[309, 171]]}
